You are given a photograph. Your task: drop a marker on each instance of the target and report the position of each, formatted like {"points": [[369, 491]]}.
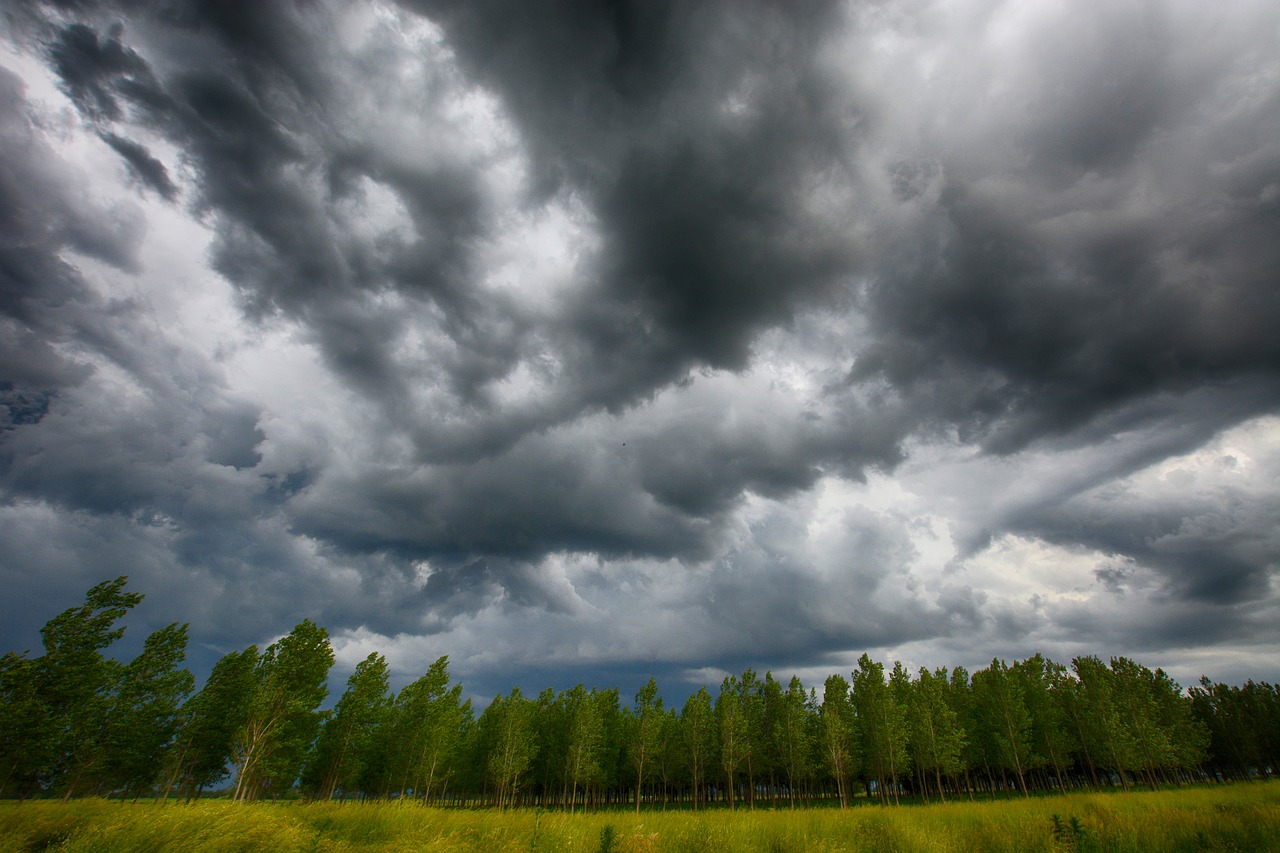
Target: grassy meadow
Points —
{"points": [[1242, 818]]}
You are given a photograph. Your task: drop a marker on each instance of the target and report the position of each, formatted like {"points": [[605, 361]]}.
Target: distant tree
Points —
{"points": [[1106, 736], [435, 717], [284, 716], [751, 689], [585, 742], [342, 751], [1044, 688]]}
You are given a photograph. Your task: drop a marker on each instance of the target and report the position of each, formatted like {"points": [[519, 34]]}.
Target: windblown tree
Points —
{"points": [[506, 730], [75, 685], [346, 740], [431, 719], [584, 713], [25, 727], [143, 716], [284, 716], [209, 723]]}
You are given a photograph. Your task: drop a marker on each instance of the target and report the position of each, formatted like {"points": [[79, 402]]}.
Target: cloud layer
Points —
{"points": [[595, 341]]}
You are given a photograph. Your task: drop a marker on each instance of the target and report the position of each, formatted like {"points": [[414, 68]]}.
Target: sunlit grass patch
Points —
{"points": [[1237, 818]]}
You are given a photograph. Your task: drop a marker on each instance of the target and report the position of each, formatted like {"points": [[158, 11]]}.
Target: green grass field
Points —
{"points": [[1243, 818]]}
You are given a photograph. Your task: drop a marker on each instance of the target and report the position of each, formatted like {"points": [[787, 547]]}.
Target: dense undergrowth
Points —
{"points": [[1243, 817]]}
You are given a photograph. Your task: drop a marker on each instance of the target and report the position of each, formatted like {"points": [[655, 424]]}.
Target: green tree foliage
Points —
{"points": [[345, 746], [143, 715], [506, 730], [882, 724], [734, 730], [793, 736], [839, 735], [646, 732], [698, 733], [936, 736], [1001, 706], [76, 721], [284, 716], [209, 722], [1045, 685], [24, 727], [76, 682], [430, 723]]}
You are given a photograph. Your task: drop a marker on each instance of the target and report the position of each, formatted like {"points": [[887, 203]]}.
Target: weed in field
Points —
{"points": [[1068, 834]]}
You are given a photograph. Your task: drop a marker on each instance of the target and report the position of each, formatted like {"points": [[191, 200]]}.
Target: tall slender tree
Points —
{"points": [[882, 724], [936, 737], [698, 726], [143, 715], [1001, 705], [284, 715], [645, 736], [839, 734], [346, 739]]}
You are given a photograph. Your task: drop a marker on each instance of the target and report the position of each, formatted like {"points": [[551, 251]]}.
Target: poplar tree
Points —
{"points": [[882, 724], [75, 683], [143, 715], [284, 715], [429, 732], [209, 722], [838, 734], [1002, 708], [936, 737], [586, 735], [346, 739], [507, 730], [734, 732], [645, 734], [698, 729], [793, 736]]}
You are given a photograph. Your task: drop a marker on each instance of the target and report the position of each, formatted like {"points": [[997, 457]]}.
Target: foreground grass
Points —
{"points": [[1237, 818]]}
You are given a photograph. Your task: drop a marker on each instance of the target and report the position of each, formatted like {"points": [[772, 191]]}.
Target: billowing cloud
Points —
{"points": [[596, 341]]}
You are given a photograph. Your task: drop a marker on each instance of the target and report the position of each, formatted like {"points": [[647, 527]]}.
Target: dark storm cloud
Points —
{"points": [[1123, 244], [810, 237], [693, 131], [148, 169]]}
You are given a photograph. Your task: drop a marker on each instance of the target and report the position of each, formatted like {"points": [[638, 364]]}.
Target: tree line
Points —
{"points": [[75, 722]]}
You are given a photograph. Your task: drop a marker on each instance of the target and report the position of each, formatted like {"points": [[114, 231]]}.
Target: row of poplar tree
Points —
{"points": [[76, 722]]}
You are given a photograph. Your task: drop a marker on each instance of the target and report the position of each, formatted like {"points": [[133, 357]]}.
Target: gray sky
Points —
{"points": [[593, 341]]}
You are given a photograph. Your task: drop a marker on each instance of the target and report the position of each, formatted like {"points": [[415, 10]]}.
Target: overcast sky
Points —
{"points": [[586, 341]]}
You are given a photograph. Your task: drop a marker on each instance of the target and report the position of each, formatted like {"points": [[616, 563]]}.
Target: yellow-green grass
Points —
{"points": [[1242, 818]]}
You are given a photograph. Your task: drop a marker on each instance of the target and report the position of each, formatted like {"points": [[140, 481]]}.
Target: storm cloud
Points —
{"points": [[602, 340]]}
